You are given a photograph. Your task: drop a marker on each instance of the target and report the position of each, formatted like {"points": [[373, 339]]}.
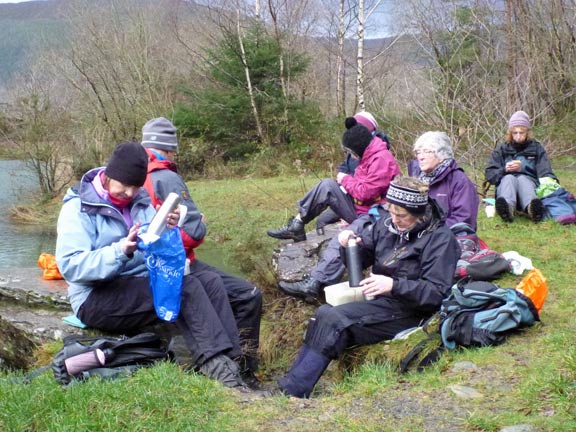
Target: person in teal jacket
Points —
{"points": [[97, 254]]}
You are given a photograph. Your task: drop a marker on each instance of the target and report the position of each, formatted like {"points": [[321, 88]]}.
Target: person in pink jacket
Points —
{"points": [[349, 195]]}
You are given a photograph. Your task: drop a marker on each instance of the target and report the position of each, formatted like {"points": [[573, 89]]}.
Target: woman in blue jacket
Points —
{"points": [[109, 289]]}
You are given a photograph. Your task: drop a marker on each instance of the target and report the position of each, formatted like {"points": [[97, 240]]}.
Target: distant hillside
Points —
{"points": [[25, 29]]}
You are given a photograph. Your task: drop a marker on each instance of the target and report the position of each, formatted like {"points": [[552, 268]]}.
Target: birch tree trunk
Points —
{"points": [[340, 70], [249, 83], [360, 58]]}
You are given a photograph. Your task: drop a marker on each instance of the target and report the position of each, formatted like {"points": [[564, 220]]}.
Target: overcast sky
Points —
{"points": [[15, 1]]}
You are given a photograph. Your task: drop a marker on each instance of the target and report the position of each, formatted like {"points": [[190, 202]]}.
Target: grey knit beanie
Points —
{"points": [[159, 133], [519, 118]]}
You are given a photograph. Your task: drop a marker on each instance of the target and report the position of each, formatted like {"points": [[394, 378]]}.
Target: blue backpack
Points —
{"points": [[561, 206], [481, 314]]}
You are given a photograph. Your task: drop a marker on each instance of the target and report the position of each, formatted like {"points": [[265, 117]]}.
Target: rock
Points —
{"points": [[33, 305], [16, 348], [465, 392], [294, 261], [464, 366], [26, 286]]}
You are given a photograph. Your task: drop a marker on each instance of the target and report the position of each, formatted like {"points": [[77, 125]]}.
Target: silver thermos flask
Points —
{"points": [[354, 264]]}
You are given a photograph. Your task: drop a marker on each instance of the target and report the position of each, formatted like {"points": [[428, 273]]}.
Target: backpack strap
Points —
{"points": [[432, 356]]}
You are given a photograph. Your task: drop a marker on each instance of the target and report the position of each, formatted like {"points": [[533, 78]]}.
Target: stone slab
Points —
{"points": [[294, 261], [26, 286]]}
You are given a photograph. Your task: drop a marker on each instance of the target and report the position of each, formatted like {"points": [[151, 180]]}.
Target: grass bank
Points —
{"points": [[531, 379]]}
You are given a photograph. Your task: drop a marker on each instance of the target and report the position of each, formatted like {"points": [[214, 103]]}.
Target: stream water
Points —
{"points": [[20, 245]]}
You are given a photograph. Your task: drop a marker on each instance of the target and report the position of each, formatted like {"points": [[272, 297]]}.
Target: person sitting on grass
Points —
{"points": [[413, 255], [449, 185], [159, 138], [349, 195], [108, 283], [515, 167]]}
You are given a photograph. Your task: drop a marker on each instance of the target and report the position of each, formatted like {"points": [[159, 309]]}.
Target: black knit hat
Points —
{"points": [[357, 139], [128, 164]]}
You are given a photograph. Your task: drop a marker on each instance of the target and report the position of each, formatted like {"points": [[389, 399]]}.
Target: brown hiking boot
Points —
{"points": [[504, 210], [536, 210]]}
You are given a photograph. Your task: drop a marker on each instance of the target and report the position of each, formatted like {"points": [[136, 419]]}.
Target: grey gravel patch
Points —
{"points": [[519, 428]]}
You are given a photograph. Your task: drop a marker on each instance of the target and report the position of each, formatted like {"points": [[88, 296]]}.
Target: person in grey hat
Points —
{"points": [[108, 282], [159, 138], [515, 167]]}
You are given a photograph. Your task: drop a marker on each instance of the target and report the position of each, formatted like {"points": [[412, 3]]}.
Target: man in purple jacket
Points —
{"points": [[449, 184]]}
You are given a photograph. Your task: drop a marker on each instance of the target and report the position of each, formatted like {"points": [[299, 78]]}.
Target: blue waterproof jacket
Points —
{"points": [[90, 235]]}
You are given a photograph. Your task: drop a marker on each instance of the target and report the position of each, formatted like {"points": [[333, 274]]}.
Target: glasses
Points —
{"points": [[423, 152]]}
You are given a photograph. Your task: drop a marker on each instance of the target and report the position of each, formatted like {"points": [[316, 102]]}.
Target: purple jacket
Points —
{"points": [[455, 192], [372, 177]]}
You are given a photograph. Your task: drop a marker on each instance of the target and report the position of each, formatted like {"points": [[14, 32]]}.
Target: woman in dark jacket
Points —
{"points": [[413, 255], [515, 168]]}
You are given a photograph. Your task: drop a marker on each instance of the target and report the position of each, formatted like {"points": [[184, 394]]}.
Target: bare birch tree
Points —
{"points": [[263, 138]]}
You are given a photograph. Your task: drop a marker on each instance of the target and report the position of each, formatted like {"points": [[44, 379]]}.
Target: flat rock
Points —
{"points": [[294, 261], [26, 286], [34, 305]]}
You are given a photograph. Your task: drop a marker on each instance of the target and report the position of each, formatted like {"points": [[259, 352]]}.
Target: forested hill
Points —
{"points": [[25, 28], [29, 27]]}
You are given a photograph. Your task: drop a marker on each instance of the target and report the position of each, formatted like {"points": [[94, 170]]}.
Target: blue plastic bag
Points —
{"points": [[165, 260]]}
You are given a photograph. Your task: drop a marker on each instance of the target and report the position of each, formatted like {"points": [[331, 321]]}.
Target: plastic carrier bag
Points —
{"points": [[165, 260], [47, 262]]}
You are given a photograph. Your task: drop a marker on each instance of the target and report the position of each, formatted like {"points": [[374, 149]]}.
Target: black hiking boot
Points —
{"points": [[307, 289], [225, 370], [294, 230], [504, 210], [536, 210]]}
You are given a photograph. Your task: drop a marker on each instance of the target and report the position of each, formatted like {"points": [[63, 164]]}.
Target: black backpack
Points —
{"points": [[106, 356], [477, 261]]}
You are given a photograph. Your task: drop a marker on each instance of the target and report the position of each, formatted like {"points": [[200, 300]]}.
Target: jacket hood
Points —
{"points": [[85, 191]]}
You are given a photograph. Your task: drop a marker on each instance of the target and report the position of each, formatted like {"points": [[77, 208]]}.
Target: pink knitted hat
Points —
{"points": [[367, 120], [519, 118]]}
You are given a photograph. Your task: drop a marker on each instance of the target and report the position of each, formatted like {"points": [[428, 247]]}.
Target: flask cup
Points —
{"points": [[88, 360]]}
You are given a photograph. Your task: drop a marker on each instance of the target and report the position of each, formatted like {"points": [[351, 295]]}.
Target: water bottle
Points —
{"points": [[354, 264], [88, 360]]}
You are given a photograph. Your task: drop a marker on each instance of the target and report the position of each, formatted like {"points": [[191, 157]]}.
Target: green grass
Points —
{"points": [[529, 379]]}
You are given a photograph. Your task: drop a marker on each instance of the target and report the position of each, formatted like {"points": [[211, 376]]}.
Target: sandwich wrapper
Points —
{"points": [[342, 293]]}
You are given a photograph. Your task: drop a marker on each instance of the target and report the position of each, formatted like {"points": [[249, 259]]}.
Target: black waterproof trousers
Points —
{"points": [[333, 329], [327, 194], [246, 302], [206, 321]]}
